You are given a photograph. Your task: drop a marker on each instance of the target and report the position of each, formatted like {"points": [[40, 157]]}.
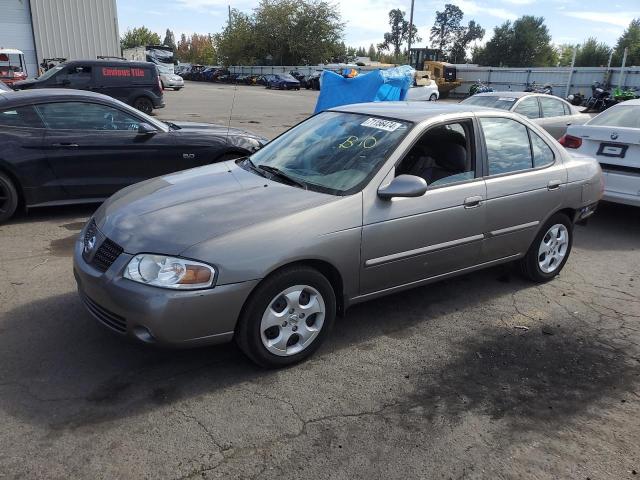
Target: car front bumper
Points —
{"points": [[171, 318], [173, 82]]}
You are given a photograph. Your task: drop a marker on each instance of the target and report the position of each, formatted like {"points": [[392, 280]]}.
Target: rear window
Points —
{"points": [[491, 101], [619, 116]]}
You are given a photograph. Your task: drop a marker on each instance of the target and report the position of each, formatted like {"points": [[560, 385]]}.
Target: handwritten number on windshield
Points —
{"points": [[366, 142]]}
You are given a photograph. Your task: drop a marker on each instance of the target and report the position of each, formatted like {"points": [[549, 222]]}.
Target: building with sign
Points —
{"points": [[69, 29]]}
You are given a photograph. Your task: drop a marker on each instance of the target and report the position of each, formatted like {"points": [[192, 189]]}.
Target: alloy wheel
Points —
{"points": [[292, 320], [553, 248]]}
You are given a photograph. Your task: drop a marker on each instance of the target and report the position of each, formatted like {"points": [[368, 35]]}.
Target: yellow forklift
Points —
{"points": [[428, 66]]}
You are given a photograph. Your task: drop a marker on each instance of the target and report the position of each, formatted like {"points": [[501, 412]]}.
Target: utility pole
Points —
{"points": [[229, 15], [410, 31], [573, 64], [624, 62]]}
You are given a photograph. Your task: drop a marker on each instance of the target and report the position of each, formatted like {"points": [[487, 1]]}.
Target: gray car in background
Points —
{"points": [[551, 113], [351, 204]]}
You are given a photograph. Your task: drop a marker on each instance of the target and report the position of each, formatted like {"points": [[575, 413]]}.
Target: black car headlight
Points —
{"points": [[169, 272]]}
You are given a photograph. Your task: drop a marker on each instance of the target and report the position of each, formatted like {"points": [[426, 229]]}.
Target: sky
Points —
{"points": [[569, 21]]}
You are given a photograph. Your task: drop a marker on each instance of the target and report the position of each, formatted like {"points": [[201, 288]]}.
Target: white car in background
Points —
{"points": [[612, 138], [423, 93], [169, 79]]}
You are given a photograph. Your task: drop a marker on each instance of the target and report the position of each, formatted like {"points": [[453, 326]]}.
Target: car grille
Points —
{"points": [[110, 319], [107, 253]]}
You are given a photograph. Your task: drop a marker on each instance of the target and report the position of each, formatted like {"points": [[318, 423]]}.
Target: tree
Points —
{"points": [[523, 43], [170, 40], [565, 54], [237, 42], [447, 29], [399, 33], [463, 39], [630, 39], [197, 49], [593, 54], [139, 37], [371, 53]]}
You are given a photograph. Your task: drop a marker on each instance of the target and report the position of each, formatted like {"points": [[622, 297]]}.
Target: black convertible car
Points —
{"points": [[70, 146]]}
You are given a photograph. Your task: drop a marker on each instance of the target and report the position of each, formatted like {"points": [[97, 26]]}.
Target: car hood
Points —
{"points": [[24, 84], [171, 213], [213, 129]]}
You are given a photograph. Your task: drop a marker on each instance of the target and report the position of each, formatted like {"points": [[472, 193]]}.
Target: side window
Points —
{"points": [[86, 116], [528, 107], [79, 75], [20, 117], [551, 107], [443, 155], [542, 153], [508, 148]]}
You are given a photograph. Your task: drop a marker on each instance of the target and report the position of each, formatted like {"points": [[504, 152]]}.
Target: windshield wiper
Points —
{"points": [[247, 161], [276, 172]]}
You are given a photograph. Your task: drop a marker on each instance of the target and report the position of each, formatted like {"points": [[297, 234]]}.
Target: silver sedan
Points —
{"points": [[551, 113], [351, 204]]}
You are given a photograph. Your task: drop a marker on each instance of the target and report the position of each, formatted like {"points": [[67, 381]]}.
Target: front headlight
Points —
{"points": [[169, 272]]}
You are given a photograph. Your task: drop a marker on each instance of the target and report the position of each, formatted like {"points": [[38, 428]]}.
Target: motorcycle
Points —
{"points": [[547, 88], [479, 87], [576, 99], [600, 98]]}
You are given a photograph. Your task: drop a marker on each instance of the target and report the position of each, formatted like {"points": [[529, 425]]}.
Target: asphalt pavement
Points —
{"points": [[484, 376]]}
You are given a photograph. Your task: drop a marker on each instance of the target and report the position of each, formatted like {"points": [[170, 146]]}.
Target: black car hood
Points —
{"points": [[212, 128], [24, 84], [169, 214]]}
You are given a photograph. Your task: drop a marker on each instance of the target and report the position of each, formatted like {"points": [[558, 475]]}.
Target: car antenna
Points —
{"points": [[233, 102]]}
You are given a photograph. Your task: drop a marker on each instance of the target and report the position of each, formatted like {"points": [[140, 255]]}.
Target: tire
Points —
{"points": [[433, 97], [8, 198], [143, 104], [177, 89], [271, 344], [545, 248]]}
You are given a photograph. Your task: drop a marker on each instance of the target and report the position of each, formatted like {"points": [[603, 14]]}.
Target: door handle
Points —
{"points": [[65, 145], [554, 185], [472, 202]]}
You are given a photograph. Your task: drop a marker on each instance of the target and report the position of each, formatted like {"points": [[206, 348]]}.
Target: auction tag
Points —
{"points": [[506, 99], [380, 124]]}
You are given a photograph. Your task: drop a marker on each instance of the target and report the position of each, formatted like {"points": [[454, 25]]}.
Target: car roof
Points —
{"points": [[410, 111], [40, 94], [632, 103], [108, 63], [507, 93]]}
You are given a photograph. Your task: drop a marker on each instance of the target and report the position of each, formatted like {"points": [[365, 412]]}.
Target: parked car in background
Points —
{"points": [[612, 138], [181, 260], [313, 80], [169, 79], [283, 81], [551, 113], [68, 146], [423, 93], [135, 83], [13, 66], [265, 79]]}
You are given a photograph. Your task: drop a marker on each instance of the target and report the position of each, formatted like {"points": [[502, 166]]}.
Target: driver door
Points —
{"points": [[409, 240], [95, 149]]}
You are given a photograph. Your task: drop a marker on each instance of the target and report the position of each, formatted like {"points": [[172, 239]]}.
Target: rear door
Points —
{"points": [[95, 149], [554, 116], [525, 183]]}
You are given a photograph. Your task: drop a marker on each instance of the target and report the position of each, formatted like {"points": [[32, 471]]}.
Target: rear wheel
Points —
{"points": [[550, 250], [143, 104], [8, 198], [433, 97], [287, 318]]}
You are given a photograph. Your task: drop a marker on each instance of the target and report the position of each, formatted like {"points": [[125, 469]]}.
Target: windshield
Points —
{"points": [[491, 101], [619, 116], [333, 152], [51, 72]]}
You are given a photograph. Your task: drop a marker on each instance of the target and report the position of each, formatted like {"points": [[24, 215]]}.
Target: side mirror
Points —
{"points": [[403, 186], [146, 129]]}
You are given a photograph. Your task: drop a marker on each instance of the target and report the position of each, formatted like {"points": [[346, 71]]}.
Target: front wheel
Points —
{"points": [[433, 97], [287, 318], [144, 105], [550, 250], [8, 198]]}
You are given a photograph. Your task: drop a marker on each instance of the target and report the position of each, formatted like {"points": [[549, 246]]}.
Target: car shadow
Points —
{"points": [[45, 214], [63, 370]]}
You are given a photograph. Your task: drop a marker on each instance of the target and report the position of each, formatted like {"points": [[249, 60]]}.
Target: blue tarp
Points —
{"points": [[377, 86]]}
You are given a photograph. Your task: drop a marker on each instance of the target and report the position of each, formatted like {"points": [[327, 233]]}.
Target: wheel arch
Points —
{"points": [[9, 172]]}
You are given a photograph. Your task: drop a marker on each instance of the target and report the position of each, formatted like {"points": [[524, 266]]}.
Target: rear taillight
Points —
{"points": [[569, 141], [159, 83]]}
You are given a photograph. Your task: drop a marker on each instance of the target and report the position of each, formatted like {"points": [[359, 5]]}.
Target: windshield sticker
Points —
{"points": [[380, 124], [506, 99], [366, 143]]}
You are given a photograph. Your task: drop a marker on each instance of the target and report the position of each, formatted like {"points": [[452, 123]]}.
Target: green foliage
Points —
{"points": [[523, 43], [446, 29], [399, 33], [197, 49], [630, 39], [139, 37], [593, 54], [283, 32], [170, 41], [465, 36]]}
